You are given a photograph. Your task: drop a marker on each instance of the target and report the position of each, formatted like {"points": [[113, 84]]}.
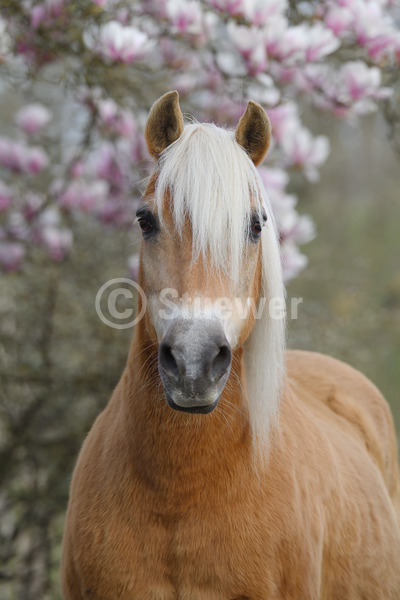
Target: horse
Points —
{"points": [[224, 467]]}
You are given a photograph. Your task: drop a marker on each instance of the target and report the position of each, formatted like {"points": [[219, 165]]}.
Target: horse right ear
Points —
{"points": [[253, 132], [165, 123]]}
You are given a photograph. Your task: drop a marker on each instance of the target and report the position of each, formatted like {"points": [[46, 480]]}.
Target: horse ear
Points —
{"points": [[164, 124], [254, 132]]}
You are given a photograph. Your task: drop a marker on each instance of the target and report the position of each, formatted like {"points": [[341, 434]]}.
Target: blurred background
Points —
{"points": [[71, 177]]}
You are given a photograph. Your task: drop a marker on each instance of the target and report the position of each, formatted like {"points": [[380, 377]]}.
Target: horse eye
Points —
{"points": [[145, 225], [256, 225], [147, 222], [256, 228]]}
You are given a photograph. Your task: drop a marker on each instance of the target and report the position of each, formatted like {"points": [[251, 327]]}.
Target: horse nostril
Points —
{"points": [[167, 360], [221, 362]]}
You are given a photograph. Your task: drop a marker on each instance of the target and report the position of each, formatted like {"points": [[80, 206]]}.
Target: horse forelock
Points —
{"points": [[213, 184]]}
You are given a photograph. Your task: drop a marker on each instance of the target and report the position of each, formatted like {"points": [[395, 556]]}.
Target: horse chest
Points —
{"points": [[219, 556]]}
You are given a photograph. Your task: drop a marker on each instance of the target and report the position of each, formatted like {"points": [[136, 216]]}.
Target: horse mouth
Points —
{"points": [[196, 409]]}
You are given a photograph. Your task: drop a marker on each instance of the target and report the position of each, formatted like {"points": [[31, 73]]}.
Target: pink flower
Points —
{"points": [[19, 157], [274, 31], [5, 196], [352, 90], [77, 168], [138, 149], [305, 43], [11, 255], [84, 195], [126, 124], [292, 261], [185, 16], [117, 211], [263, 90], [381, 45], [302, 150], [249, 42], [36, 160], [273, 178], [108, 110], [321, 42], [11, 154], [301, 230], [357, 81], [117, 42], [57, 241], [45, 13], [38, 15], [32, 205], [115, 119], [338, 19], [284, 120], [32, 118], [258, 12], [235, 8]]}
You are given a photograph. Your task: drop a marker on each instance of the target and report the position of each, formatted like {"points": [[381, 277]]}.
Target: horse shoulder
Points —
{"points": [[344, 395], [92, 521], [346, 441]]}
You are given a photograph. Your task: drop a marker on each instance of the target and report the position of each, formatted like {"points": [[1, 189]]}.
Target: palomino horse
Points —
{"points": [[223, 468]]}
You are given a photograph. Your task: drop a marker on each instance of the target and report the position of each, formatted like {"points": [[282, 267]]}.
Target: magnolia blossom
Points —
{"points": [[32, 118], [249, 42], [46, 12], [264, 91], [339, 19], [351, 90], [293, 261], [57, 241], [304, 43], [217, 54], [104, 163], [356, 80], [185, 16], [117, 120], [11, 255], [234, 8], [367, 22], [294, 229], [117, 42], [285, 120], [6, 196], [274, 179], [88, 196], [17, 156], [258, 12], [304, 150], [32, 204], [117, 211]]}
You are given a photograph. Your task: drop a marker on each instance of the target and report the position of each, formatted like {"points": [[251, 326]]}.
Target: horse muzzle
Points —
{"points": [[194, 361]]}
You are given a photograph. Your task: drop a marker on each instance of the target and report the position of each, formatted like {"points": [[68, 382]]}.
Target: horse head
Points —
{"points": [[209, 251]]}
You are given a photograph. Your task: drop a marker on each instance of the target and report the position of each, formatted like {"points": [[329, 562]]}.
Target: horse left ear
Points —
{"points": [[254, 132], [164, 124]]}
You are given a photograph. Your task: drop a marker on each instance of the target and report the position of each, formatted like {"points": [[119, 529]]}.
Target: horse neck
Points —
{"points": [[167, 444]]}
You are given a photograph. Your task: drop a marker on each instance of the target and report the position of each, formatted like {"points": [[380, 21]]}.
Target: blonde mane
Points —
{"points": [[213, 182]]}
